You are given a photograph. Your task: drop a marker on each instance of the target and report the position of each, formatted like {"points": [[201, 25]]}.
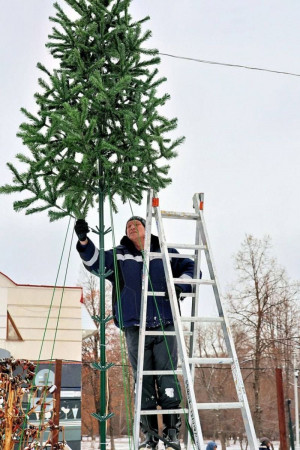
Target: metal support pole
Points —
{"points": [[280, 406], [291, 432], [102, 313], [296, 375], [56, 395]]}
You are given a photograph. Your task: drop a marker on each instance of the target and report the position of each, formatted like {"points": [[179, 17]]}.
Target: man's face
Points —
{"points": [[135, 230]]}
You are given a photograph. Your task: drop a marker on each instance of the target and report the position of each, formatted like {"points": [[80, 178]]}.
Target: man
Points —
{"points": [[265, 444], [163, 390], [211, 445]]}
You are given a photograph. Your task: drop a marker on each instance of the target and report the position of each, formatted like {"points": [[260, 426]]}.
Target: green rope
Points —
{"points": [[58, 316], [62, 295], [125, 369], [59, 313], [42, 345], [54, 289]]}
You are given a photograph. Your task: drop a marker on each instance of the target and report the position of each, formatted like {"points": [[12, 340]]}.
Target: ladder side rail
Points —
{"points": [[143, 317], [236, 371], [195, 299], [194, 312], [193, 412]]}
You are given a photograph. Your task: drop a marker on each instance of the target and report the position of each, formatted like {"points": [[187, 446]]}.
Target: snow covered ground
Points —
{"points": [[123, 444]]}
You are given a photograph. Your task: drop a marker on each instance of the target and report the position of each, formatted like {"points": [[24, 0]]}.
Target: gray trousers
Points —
{"points": [[163, 390]]}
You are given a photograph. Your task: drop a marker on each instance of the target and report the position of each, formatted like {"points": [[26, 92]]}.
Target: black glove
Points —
{"points": [[178, 291], [81, 229]]}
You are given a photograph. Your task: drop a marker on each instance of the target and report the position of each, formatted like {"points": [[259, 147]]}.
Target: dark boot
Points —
{"points": [[172, 423], [149, 423]]}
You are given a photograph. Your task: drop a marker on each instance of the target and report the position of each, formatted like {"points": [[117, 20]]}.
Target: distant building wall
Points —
{"points": [[24, 311], [27, 313]]}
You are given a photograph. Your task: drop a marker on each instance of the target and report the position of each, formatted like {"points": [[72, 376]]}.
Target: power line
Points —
{"points": [[239, 66]]}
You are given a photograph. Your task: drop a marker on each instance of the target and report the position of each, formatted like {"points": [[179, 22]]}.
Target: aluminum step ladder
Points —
{"points": [[187, 358]]}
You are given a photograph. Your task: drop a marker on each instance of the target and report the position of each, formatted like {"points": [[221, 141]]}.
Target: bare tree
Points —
{"points": [[118, 376], [283, 331], [90, 285], [214, 384], [262, 302]]}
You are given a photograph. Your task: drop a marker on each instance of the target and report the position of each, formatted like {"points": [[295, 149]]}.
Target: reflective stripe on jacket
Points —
{"points": [[130, 269]]}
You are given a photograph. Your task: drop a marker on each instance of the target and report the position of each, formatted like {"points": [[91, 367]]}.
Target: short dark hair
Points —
{"points": [[265, 441]]}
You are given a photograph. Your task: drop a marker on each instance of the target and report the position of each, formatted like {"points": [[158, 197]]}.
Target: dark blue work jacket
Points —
{"points": [[130, 270]]}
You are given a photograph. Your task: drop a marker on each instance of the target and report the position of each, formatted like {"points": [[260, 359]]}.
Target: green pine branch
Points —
{"points": [[100, 106]]}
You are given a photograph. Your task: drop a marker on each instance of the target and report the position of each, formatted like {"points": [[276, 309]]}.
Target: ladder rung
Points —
{"points": [[167, 333], [156, 255], [181, 255], [162, 372], [210, 360], [157, 294], [187, 246], [179, 215], [189, 294], [162, 294], [153, 412], [230, 405], [202, 319], [193, 281]]}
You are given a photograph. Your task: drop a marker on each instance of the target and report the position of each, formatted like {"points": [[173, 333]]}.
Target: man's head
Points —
{"points": [[135, 230], [265, 442], [211, 445]]}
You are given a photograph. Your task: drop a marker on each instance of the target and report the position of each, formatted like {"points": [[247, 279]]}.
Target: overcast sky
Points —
{"points": [[241, 126]]}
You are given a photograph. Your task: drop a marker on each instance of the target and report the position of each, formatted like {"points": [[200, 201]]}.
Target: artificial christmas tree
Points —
{"points": [[99, 120], [99, 130]]}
